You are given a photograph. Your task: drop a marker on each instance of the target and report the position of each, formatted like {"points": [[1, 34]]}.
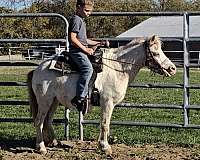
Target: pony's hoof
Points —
{"points": [[43, 151], [55, 143], [40, 147], [108, 151]]}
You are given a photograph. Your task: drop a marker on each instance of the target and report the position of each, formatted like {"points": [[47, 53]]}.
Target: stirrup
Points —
{"points": [[80, 104]]}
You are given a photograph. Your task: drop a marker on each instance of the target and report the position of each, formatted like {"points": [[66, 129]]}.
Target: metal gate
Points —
{"points": [[185, 86], [25, 40]]}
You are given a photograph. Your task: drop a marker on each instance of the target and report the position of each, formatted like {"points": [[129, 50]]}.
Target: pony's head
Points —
{"points": [[156, 59]]}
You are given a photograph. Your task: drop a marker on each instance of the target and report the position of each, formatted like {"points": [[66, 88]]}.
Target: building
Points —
{"points": [[165, 26], [169, 27]]}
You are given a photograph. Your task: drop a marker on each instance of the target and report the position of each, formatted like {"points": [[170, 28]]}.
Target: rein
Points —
{"points": [[123, 62], [148, 51], [118, 61], [150, 62]]}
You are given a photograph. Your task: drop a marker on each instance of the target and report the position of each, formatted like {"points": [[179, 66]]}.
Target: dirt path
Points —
{"points": [[88, 151], [11, 57]]}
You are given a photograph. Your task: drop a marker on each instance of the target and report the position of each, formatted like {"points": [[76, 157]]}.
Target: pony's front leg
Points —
{"points": [[107, 109]]}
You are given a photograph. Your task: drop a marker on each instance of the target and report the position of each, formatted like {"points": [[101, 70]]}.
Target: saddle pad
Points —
{"points": [[60, 63]]}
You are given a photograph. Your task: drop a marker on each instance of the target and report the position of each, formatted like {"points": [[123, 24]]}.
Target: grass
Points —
{"points": [[127, 135]]}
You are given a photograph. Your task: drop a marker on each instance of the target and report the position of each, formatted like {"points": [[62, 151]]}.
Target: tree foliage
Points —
{"points": [[97, 26]]}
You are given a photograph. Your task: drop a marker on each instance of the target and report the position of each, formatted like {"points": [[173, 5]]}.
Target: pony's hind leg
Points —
{"points": [[48, 132], [43, 108]]}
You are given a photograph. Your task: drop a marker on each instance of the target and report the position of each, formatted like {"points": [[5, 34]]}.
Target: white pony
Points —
{"points": [[48, 88]]}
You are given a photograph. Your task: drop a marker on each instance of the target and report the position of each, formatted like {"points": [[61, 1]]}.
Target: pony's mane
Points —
{"points": [[134, 42], [137, 41]]}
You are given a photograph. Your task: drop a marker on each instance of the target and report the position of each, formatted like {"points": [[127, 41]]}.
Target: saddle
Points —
{"points": [[65, 65]]}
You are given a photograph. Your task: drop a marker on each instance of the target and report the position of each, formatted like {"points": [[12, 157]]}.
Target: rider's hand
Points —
{"points": [[105, 43], [89, 51]]}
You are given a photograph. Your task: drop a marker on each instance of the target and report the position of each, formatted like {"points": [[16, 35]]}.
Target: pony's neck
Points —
{"points": [[134, 58]]}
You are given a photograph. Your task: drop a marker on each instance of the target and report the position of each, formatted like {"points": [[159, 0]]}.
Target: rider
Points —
{"points": [[79, 50]]}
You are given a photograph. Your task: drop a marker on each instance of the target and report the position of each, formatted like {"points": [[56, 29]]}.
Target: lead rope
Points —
{"points": [[119, 61]]}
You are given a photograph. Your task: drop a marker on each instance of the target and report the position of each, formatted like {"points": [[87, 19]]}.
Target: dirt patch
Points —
{"points": [[74, 150]]}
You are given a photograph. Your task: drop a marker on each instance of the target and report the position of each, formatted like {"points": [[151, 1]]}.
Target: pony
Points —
{"points": [[47, 88]]}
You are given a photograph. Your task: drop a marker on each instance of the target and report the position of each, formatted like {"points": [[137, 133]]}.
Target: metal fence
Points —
{"points": [[185, 86], [11, 63]]}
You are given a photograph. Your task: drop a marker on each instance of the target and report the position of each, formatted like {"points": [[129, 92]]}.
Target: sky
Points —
{"points": [[18, 4], [15, 4]]}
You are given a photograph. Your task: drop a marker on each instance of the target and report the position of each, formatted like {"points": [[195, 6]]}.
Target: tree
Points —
{"points": [[113, 26], [173, 5], [195, 5], [97, 26]]}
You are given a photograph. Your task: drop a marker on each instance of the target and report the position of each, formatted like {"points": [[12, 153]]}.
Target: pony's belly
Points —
{"points": [[65, 90]]}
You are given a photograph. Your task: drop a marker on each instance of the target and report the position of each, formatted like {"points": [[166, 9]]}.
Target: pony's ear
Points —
{"points": [[152, 39]]}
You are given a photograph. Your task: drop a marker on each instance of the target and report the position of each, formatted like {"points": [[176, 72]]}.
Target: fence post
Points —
{"points": [[67, 124], [186, 67], [80, 126]]}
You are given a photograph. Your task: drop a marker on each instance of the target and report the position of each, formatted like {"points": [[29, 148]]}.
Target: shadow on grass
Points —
{"points": [[28, 145], [13, 144]]}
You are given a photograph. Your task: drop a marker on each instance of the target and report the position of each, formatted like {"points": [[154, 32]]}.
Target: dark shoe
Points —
{"points": [[80, 104]]}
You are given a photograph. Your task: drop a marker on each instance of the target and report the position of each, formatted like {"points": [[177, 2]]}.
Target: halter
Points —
{"points": [[152, 63]]}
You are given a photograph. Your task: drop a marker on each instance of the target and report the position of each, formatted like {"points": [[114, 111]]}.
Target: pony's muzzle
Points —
{"points": [[170, 71]]}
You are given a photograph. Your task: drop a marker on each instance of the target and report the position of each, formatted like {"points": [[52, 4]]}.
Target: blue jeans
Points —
{"points": [[86, 71]]}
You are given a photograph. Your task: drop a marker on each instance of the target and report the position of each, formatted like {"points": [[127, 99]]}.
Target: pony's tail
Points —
{"points": [[32, 98]]}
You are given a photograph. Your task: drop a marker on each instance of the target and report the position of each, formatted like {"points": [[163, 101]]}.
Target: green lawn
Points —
{"points": [[128, 135]]}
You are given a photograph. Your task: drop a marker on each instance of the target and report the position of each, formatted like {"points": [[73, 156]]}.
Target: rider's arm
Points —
{"points": [[78, 44], [98, 43], [92, 43]]}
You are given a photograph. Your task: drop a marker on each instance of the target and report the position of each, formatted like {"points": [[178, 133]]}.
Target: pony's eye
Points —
{"points": [[154, 53]]}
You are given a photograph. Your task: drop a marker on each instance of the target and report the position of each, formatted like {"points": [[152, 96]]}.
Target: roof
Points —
{"points": [[165, 26]]}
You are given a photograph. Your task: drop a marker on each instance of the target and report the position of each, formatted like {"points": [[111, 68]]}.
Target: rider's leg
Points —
{"points": [[86, 71]]}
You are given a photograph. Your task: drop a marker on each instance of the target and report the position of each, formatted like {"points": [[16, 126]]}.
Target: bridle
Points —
{"points": [[152, 63]]}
